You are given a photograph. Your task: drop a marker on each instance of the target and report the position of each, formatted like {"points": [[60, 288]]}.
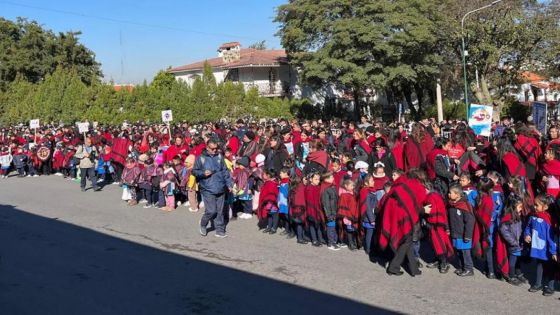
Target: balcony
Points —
{"points": [[269, 88]]}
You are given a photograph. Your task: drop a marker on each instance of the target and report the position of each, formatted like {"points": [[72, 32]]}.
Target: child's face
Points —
{"points": [[371, 182], [227, 154], [329, 180], [464, 181], [395, 176], [380, 172], [315, 180], [548, 155], [519, 208], [540, 207], [284, 175], [349, 186], [336, 167], [495, 180]]}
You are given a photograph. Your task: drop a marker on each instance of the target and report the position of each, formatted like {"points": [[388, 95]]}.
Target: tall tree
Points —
{"points": [[28, 50], [361, 44]]}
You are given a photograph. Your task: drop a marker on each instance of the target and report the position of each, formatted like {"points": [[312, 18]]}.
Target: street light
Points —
{"points": [[464, 52]]}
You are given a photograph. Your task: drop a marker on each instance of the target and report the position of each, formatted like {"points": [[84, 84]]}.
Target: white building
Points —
{"points": [[269, 71], [535, 88]]}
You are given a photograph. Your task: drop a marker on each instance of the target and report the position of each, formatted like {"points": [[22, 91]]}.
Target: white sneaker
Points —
{"points": [[241, 216], [116, 183], [100, 180], [58, 174], [28, 176], [193, 210], [143, 201], [201, 205], [35, 175], [179, 203], [147, 206]]}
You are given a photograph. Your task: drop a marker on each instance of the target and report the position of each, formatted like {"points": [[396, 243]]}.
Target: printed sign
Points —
{"points": [[34, 123], [539, 116], [83, 127], [166, 115], [480, 119]]}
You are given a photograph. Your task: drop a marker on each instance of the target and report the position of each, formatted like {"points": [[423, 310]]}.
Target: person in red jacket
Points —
{"points": [[179, 148]]}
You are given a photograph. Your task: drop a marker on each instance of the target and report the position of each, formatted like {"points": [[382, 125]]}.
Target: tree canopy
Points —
{"points": [[31, 52], [402, 47]]}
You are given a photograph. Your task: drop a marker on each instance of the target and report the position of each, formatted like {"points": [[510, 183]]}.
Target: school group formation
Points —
{"points": [[377, 187]]}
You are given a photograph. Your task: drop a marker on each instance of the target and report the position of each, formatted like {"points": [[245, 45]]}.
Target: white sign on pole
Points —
{"points": [[166, 115], [34, 123], [83, 127]]}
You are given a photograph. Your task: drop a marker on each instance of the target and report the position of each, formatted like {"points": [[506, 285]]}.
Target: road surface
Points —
{"points": [[64, 251]]}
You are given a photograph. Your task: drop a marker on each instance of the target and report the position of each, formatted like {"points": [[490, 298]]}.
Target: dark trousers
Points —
{"points": [[299, 231], [368, 240], [21, 171], [331, 235], [490, 260], [90, 173], [273, 219], [405, 250], [316, 232], [514, 269], [545, 273], [152, 195], [214, 210], [465, 259]]}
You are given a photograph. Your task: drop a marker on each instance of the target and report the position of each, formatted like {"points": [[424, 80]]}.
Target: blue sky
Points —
{"points": [[187, 30]]}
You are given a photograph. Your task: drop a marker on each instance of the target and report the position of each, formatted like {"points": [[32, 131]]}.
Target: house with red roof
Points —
{"points": [[267, 70], [535, 87]]}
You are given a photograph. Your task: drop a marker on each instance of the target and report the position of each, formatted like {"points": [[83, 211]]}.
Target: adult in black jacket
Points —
{"points": [[382, 154], [275, 155]]}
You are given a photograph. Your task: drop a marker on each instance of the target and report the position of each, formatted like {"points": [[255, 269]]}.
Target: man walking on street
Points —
{"points": [[214, 180], [87, 154]]}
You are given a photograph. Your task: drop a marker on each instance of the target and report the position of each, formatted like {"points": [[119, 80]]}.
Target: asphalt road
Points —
{"points": [[63, 251]]}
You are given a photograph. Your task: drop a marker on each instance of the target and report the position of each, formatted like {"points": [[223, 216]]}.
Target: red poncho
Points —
{"points": [[529, 148], [119, 150], [431, 162], [363, 199], [268, 198], [398, 151], [483, 215], [501, 248], [415, 153], [348, 208], [401, 211], [297, 203], [437, 219], [313, 203]]}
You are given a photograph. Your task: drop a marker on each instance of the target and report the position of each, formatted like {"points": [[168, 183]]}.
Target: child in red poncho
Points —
{"points": [[315, 215], [551, 173], [348, 212], [268, 202], [297, 206]]}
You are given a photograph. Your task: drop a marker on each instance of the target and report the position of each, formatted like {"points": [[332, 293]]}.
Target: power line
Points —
{"points": [[125, 21]]}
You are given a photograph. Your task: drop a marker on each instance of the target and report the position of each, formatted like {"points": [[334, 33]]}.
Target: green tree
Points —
{"points": [[356, 44], [260, 45], [28, 50]]}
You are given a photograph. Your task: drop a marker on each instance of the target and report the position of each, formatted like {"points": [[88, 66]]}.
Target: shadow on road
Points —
{"points": [[48, 266]]}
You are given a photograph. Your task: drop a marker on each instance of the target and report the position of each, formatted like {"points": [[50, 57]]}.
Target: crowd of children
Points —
{"points": [[380, 188]]}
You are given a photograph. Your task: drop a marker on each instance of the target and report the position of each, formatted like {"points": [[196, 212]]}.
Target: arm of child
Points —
{"points": [[527, 231], [552, 240]]}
